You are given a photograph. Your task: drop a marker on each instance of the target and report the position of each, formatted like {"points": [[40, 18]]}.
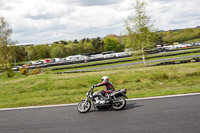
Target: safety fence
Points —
{"points": [[177, 62]]}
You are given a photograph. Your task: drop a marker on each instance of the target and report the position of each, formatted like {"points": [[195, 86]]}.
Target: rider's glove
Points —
{"points": [[94, 86]]}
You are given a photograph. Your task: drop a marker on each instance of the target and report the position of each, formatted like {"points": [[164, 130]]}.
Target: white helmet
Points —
{"points": [[105, 79]]}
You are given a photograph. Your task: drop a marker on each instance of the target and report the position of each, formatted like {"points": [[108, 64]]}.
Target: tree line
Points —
{"points": [[62, 48]]}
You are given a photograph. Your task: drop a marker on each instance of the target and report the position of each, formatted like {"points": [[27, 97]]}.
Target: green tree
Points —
{"points": [[28, 52], [87, 47], [75, 41], [139, 30], [111, 44], [6, 51], [98, 44], [72, 49], [19, 53], [57, 52], [33, 52], [43, 51]]}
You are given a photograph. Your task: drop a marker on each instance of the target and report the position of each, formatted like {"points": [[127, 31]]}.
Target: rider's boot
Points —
{"points": [[108, 99]]}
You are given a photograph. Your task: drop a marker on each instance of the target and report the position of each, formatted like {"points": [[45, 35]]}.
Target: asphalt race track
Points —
{"points": [[165, 115]]}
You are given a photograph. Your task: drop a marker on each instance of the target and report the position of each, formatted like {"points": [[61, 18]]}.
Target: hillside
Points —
{"points": [[180, 35]]}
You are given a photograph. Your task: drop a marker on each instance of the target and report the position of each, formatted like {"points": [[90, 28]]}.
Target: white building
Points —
{"points": [[25, 44]]}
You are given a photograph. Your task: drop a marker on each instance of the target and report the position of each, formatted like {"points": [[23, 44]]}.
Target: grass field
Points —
{"points": [[46, 89], [193, 41]]}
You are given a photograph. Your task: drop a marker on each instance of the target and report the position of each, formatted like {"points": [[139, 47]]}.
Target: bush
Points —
{"points": [[24, 70], [36, 71]]}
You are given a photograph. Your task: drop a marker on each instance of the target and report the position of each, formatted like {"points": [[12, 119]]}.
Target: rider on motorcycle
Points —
{"points": [[109, 87]]}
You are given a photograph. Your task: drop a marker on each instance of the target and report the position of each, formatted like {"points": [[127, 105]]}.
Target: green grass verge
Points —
{"points": [[193, 41], [47, 89]]}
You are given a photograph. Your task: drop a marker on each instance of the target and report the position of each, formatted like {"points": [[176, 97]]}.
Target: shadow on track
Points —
{"points": [[130, 106]]}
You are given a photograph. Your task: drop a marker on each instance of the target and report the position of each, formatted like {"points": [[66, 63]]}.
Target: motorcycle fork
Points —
{"points": [[86, 100]]}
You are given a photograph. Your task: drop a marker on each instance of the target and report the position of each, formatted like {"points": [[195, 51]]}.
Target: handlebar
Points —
{"points": [[92, 87]]}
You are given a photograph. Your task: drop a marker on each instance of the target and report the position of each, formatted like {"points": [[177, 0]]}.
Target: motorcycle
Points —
{"points": [[115, 100]]}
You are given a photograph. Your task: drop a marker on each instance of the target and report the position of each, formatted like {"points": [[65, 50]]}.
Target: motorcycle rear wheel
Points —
{"points": [[119, 103], [83, 108]]}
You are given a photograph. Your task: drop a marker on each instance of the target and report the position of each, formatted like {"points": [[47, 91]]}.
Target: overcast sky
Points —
{"points": [[46, 21]]}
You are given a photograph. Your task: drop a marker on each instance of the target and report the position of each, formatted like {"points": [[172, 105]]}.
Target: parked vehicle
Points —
{"points": [[188, 45], [57, 60], [47, 60], [122, 54], [77, 58], [117, 101], [167, 48], [183, 46], [197, 44], [96, 56], [109, 55], [43, 61], [36, 62], [178, 46], [16, 68]]}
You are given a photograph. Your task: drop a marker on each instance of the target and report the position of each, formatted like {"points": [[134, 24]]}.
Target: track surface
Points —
{"points": [[166, 115]]}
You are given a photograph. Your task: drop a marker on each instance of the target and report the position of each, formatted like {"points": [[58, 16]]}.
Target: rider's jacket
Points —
{"points": [[109, 87]]}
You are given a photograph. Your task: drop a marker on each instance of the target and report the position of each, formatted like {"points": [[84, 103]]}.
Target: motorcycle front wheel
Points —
{"points": [[119, 103], [83, 106]]}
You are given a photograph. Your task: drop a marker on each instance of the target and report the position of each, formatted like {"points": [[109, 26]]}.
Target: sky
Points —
{"points": [[46, 21]]}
